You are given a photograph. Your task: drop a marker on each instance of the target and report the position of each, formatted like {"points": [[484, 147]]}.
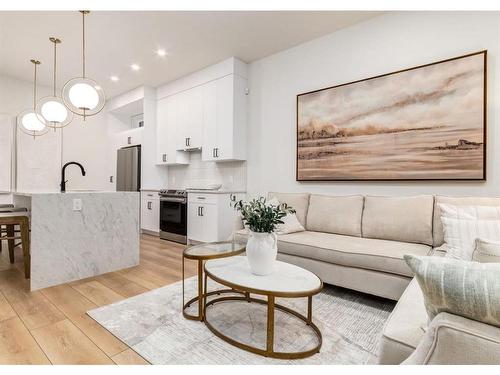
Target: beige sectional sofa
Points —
{"points": [[358, 242]]}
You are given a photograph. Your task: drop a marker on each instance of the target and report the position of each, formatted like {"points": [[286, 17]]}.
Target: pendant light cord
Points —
{"points": [[83, 43], [34, 87], [55, 55]]}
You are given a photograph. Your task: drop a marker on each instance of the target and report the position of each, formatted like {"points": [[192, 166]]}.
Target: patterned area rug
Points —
{"points": [[152, 324]]}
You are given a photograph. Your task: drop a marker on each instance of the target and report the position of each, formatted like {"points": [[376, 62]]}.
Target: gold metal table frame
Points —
{"points": [[201, 259], [271, 306]]}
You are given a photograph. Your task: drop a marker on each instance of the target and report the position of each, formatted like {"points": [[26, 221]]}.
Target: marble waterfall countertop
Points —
{"points": [[80, 234]]}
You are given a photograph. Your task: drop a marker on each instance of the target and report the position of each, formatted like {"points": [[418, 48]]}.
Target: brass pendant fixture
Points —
{"points": [[82, 95], [30, 121], [52, 108]]}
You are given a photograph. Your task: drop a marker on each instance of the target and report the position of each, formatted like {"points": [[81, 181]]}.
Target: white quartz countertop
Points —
{"points": [[31, 193], [202, 191]]}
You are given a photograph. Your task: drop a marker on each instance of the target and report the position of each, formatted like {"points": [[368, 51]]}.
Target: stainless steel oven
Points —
{"points": [[173, 215]]}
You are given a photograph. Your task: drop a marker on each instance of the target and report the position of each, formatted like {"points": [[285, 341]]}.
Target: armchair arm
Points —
{"points": [[455, 340]]}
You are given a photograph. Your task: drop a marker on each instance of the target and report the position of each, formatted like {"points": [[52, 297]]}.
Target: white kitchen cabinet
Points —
{"points": [[190, 118], [210, 217], [150, 212], [224, 119], [167, 128]]}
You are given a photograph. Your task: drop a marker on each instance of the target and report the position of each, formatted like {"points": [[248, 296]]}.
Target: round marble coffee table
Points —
{"points": [[286, 281], [201, 253]]}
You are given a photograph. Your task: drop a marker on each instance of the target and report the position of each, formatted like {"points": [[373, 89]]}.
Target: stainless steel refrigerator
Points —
{"points": [[128, 169]]}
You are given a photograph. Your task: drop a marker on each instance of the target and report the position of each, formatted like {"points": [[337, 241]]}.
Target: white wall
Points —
{"points": [[40, 159], [380, 45]]}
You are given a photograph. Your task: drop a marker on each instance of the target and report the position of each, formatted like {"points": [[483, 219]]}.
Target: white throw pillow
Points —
{"points": [[486, 251], [460, 235], [470, 212], [290, 222]]}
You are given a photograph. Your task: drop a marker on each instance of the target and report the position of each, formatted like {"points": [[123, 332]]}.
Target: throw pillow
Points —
{"points": [[290, 222], [468, 289], [486, 251], [470, 212], [460, 235]]}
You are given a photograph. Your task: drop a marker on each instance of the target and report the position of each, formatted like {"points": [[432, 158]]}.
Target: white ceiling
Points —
{"points": [[115, 40]]}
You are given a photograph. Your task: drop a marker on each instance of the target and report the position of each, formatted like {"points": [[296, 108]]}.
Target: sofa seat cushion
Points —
{"points": [[403, 330], [378, 255]]}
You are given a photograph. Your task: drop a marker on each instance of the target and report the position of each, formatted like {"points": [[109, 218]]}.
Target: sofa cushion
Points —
{"points": [[340, 215], [378, 255], [407, 219], [298, 201], [403, 330], [438, 234]]}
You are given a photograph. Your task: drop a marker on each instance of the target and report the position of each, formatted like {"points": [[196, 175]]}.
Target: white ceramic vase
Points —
{"points": [[261, 252]]}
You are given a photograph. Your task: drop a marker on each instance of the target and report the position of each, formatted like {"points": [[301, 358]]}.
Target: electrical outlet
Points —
{"points": [[77, 204]]}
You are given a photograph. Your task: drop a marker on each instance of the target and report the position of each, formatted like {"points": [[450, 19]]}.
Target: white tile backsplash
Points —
{"points": [[197, 174]]}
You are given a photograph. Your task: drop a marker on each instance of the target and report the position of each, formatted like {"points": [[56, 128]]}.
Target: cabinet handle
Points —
{"points": [[111, 179], [201, 210], [164, 157], [213, 152], [150, 205], [129, 140], [201, 198], [216, 152], [188, 141]]}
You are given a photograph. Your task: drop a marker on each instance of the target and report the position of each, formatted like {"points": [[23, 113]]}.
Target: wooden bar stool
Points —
{"points": [[9, 233]]}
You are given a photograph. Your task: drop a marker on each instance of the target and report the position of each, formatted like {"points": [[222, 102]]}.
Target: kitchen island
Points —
{"points": [[75, 235]]}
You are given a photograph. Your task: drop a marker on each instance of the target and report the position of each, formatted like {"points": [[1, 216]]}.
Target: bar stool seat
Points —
{"points": [[8, 221]]}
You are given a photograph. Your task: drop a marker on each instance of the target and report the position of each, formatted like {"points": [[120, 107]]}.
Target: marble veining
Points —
{"points": [[68, 245]]}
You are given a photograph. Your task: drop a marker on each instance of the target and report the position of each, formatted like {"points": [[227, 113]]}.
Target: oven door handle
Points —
{"points": [[175, 200]]}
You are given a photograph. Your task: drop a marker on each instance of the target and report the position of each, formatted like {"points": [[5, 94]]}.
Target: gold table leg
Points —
{"points": [[200, 289], [270, 324]]}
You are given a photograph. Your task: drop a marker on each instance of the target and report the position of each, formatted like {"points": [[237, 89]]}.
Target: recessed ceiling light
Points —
{"points": [[135, 67], [114, 78], [161, 52]]}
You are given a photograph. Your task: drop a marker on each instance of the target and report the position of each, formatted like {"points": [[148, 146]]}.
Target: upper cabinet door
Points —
{"points": [[167, 125], [208, 152], [225, 123], [195, 117], [182, 121], [189, 118]]}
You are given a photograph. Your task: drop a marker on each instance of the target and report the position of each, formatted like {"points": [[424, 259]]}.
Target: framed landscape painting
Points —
{"points": [[423, 123]]}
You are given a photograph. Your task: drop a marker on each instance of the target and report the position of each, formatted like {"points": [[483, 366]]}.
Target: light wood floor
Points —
{"points": [[50, 325]]}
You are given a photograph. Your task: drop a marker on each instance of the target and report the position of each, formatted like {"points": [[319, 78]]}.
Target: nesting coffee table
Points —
{"points": [[286, 281], [201, 253]]}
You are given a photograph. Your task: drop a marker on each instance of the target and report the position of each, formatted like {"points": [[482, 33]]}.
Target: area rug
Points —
{"points": [[152, 325]]}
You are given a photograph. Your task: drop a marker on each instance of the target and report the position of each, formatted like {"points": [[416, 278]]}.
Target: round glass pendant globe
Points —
{"points": [[54, 112], [83, 96], [30, 121]]}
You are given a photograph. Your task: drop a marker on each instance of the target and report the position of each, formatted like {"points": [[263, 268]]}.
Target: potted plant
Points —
{"points": [[261, 218]]}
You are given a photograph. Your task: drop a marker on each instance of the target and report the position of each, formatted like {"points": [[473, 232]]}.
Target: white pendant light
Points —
{"points": [[29, 121], [52, 108], [82, 95]]}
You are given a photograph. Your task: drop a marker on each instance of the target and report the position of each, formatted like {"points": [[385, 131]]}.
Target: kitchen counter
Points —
{"points": [[202, 191], [80, 234]]}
